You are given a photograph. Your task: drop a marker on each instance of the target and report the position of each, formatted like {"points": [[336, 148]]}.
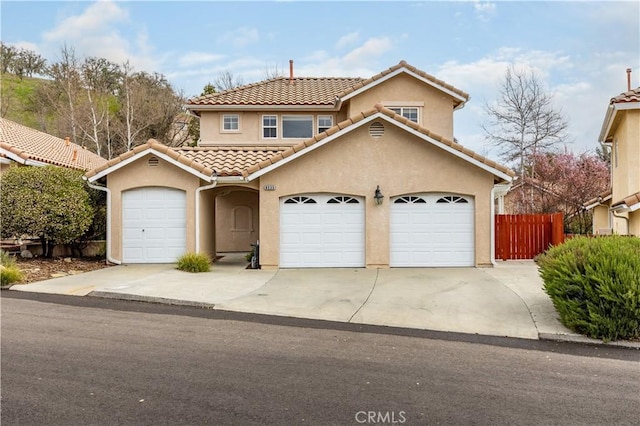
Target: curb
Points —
{"points": [[150, 299], [577, 338], [569, 338]]}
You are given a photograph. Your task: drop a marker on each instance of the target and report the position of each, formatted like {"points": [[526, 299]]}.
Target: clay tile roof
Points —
{"points": [[31, 144], [631, 200], [280, 91], [379, 108], [404, 64], [315, 91], [632, 95], [231, 160], [154, 144]]}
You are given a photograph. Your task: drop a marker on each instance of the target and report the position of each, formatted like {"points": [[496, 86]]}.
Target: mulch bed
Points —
{"points": [[39, 269]]}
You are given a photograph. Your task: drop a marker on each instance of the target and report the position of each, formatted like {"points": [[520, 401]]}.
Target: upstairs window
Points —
{"points": [[230, 123], [410, 113], [269, 126], [297, 126], [324, 122]]}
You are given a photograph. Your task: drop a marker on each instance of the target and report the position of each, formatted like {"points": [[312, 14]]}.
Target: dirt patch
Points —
{"points": [[40, 269]]}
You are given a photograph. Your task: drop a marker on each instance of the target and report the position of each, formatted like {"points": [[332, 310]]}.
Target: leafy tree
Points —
{"points": [[46, 202], [522, 122], [194, 123]]}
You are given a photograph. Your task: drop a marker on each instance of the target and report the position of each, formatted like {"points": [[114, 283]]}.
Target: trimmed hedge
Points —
{"points": [[594, 284], [194, 262]]}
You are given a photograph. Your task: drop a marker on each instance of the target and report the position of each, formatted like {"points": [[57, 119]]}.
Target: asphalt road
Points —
{"points": [[81, 361]]}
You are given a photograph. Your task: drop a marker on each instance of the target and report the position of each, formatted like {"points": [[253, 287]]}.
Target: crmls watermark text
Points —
{"points": [[381, 417]]}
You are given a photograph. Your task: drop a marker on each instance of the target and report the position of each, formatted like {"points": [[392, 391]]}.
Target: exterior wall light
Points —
{"points": [[378, 197]]}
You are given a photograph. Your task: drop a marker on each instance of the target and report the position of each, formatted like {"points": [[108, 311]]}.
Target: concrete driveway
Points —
{"points": [[507, 300]]}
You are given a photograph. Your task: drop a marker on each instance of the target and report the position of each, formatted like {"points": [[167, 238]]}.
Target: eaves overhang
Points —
{"points": [[137, 156], [379, 116], [402, 70], [610, 119]]}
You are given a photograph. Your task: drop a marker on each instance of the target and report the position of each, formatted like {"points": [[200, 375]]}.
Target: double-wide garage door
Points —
{"points": [[426, 230], [432, 230], [153, 225], [319, 230]]}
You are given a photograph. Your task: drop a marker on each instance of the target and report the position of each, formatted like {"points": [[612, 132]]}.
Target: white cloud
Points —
{"points": [[371, 49], [191, 59], [347, 40], [99, 31], [581, 89], [240, 37], [484, 10]]}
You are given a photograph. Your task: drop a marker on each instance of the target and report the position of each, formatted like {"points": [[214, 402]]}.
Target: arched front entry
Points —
{"points": [[237, 220]]}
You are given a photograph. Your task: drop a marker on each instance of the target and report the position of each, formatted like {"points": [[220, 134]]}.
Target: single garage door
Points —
{"points": [[153, 225], [319, 230], [432, 230]]}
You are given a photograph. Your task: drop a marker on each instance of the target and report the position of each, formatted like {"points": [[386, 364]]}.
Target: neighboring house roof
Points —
{"points": [[625, 101], [320, 91], [631, 203], [251, 162], [603, 198], [31, 147], [379, 112]]}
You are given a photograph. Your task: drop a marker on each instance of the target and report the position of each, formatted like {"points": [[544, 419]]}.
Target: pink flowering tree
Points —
{"points": [[565, 181]]}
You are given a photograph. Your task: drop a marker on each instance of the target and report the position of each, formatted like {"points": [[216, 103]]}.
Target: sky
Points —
{"points": [[579, 50]]}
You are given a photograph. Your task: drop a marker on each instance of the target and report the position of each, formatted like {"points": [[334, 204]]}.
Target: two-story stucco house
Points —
{"points": [[324, 172], [618, 210]]}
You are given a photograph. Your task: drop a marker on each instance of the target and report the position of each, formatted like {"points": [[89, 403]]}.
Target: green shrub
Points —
{"points": [[594, 284], [194, 262], [9, 275], [9, 272]]}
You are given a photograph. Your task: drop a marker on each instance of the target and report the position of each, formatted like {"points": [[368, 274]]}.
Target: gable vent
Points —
{"points": [[153, 162], [376, 129]]}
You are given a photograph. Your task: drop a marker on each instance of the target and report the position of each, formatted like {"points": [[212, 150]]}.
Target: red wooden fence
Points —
{"points": [[524, 236]]}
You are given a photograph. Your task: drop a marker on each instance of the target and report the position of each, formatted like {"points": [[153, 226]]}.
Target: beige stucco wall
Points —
{"points": [[207, 234], [250, 132], [600, 218], [232, 236], [626, 175], [139, 174], [4, 167], [354, 164], [634, 223], [436, 114]]}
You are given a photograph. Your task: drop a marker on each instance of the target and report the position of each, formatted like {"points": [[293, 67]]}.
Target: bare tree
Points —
{"points": [[100, 83], [523, 121], [66, 80], [225, 80], [272, 71], [148, 107]]}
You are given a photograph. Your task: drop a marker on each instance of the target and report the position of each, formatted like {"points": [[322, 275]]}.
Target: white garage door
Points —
{"points": [[153, 225], [321, 231], [432, 230]]}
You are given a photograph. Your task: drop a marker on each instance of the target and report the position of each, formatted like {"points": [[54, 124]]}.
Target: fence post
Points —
{"points": [[557, 231]]}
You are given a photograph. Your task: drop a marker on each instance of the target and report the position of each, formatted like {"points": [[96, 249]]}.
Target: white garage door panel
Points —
{"points": [[320, 230], [432, 230], [154, 225]]}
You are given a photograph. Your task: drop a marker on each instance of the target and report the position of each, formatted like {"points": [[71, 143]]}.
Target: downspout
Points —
{"points": [[198, 191], [613, 212], [108, 191]]}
